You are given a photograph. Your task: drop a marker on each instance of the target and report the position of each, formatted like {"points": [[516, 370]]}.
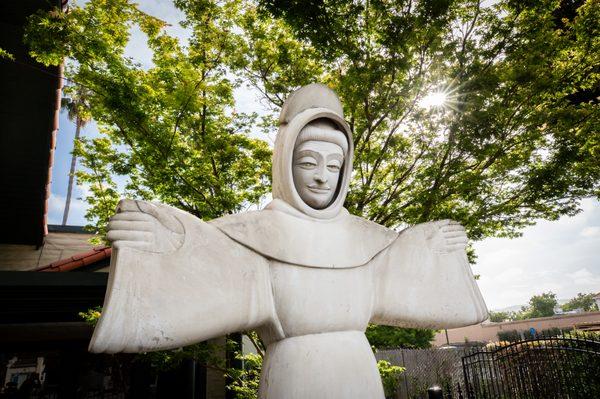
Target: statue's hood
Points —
{"points": [[285, 234], [303, 106], [288, 230]]}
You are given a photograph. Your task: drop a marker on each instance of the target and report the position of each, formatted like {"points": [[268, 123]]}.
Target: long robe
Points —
{"points": [[309, 288]]}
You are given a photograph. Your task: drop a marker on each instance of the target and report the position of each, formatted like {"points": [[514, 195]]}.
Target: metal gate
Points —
{"points": [[544, 367]]}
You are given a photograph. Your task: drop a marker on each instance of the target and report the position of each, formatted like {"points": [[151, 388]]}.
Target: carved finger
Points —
{"points": [[452, 225], [128, 235], [167, 220], [132, 244], [130, 225], [454, 234], [452, 228], [457, 240], [131, 216], [127, 205]]}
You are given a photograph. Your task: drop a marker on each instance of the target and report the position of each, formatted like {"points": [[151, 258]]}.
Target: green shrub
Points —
{"points": [[389, 377]]}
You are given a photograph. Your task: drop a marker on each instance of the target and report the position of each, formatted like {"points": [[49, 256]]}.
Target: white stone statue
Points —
{"points": [[303, 272]]}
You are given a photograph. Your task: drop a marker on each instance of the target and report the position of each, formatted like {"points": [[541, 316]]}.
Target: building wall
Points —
{"points": [[57, 246], [488, 332]]}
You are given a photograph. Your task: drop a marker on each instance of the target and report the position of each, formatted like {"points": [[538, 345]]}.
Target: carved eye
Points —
{"points": [[307, 163], [334, 166]]}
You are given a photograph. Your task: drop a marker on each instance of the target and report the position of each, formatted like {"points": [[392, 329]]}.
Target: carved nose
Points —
{"points": [[320, 177]]}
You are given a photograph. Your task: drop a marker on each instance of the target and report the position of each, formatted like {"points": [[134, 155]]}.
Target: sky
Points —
{"points": [[560, 256]]}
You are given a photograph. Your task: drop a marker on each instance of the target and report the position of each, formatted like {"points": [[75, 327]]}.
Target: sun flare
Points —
{"points": [[434, 100]]}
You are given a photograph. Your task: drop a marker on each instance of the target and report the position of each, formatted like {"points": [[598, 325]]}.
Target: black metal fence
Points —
{"points": [[542, 367]]}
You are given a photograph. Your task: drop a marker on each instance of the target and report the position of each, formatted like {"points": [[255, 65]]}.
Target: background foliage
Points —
{"points": [[382, 337], [539, 306], [171, 129], [544, 305], [515, 141], [584, 302]]}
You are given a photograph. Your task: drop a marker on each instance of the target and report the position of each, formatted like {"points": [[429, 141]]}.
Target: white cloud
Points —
{"points": [[581, 273], [585, 278], [590, 231], [77, 209], [509, 275], [56, 205], [561, 256]]}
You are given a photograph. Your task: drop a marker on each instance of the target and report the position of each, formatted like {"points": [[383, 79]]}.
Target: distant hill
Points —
{"points": [[516, 308]]}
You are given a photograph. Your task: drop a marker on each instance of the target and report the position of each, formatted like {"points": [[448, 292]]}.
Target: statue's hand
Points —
{"points": [[445, 236], [145, 226]]}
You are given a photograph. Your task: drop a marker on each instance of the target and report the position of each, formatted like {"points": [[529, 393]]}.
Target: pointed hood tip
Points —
{"points": [[314, 95]]}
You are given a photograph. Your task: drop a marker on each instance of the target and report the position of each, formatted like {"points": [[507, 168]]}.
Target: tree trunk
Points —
{"points": [[71, 174]]}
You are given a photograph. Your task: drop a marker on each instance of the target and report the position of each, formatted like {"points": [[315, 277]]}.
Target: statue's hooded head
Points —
{"points": [[312, 159]]}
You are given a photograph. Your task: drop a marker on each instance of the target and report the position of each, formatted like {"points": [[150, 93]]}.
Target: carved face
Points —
{"points": [[316, 170]]}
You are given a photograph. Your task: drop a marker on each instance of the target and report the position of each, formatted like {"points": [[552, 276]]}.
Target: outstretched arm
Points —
{"points": [[175, 280], [424, 280]]}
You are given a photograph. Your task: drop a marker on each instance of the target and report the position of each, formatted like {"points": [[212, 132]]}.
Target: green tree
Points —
{"points": [[581, 301], [382, 337], [539, 306], [389, 377], [498, 317], [245, 382], [170, 131], [516, 139], [97, 157]]}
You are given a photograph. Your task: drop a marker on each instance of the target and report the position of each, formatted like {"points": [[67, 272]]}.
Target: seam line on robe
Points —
{"points": [[316, 334], [270, 258]]}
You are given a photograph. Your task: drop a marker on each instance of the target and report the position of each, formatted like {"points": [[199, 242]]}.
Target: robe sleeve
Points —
{"points": [[208, 287], [418, 285]]}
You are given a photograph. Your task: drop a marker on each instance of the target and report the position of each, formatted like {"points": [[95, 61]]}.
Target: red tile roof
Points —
{"points": [[78, 260]]}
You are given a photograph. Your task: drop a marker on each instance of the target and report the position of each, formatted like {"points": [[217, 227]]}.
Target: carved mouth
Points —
{"points": [[319, 190]]}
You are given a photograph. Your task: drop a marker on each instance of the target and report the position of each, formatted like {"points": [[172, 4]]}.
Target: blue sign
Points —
{"points": [[532, 331]]}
